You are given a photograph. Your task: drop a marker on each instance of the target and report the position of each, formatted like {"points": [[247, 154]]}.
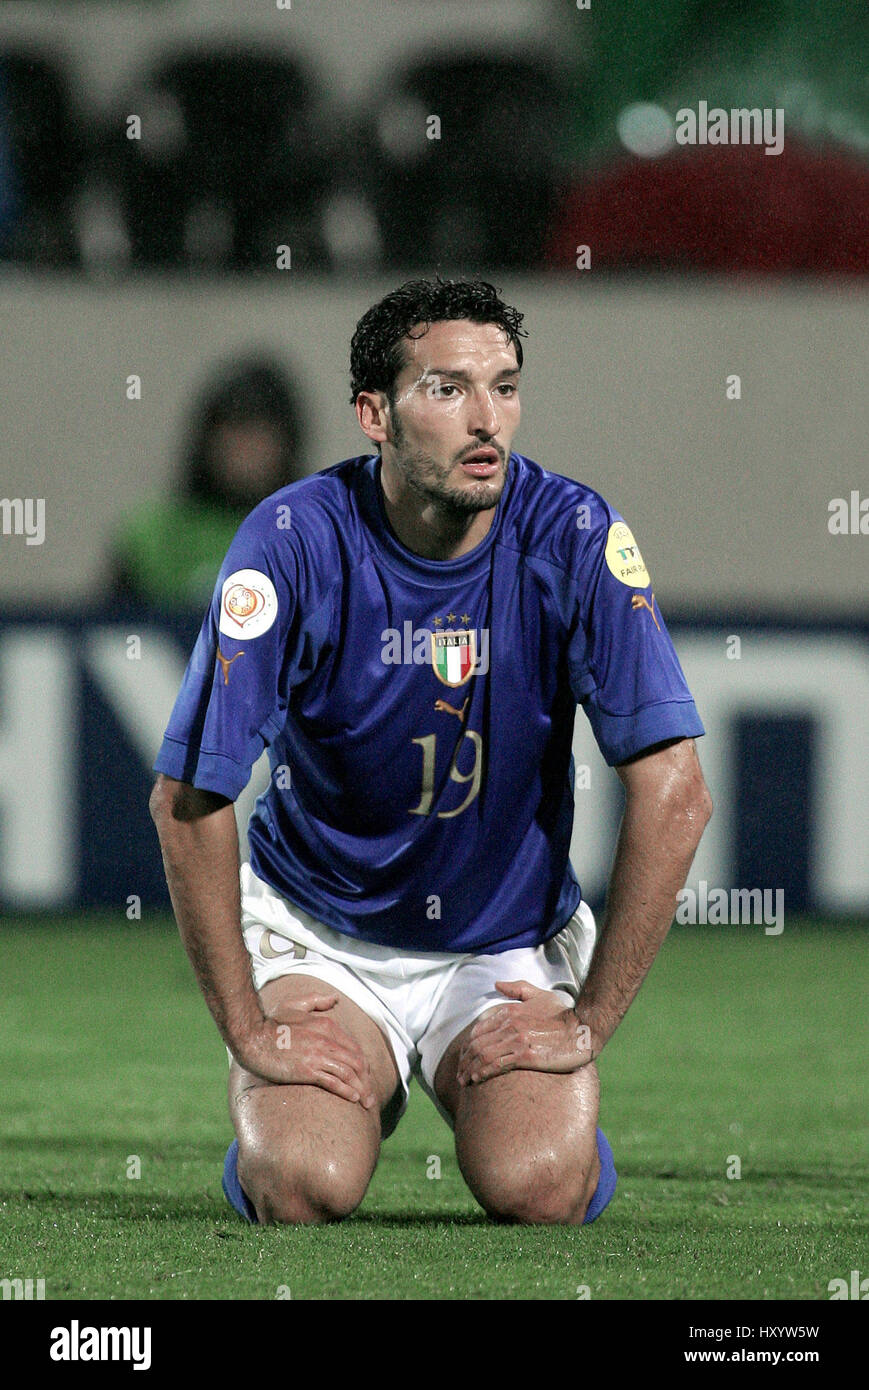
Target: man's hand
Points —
{"points": [[302, 1046], [536, 1034]]}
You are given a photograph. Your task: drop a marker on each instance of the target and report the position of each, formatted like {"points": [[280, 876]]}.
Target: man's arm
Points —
{"points": [[199, 840], [667, 807]]}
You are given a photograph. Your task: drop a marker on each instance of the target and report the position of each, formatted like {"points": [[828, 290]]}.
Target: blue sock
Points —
{"points": [[606, 1186], [232, 1188]]}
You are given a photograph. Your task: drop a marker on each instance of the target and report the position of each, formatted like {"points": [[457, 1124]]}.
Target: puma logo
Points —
{"points": [[640, 601], [449, 709], [226, 663]]}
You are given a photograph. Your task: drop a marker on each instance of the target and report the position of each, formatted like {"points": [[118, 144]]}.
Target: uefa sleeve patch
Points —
{"points": [[623, 557], [248, 604]]}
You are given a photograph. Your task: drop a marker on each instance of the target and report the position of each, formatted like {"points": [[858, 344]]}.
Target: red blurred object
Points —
{"points": [[721, 208]]}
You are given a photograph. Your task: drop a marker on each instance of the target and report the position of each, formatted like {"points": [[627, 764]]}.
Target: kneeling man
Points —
{"points": [[409, 633]]}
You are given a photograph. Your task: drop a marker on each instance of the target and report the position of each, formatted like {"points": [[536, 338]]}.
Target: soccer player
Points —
{"points": [[409, 633]]}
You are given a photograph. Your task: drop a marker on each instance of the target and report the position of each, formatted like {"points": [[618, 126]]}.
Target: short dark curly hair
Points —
{"points": [[376, 355]]}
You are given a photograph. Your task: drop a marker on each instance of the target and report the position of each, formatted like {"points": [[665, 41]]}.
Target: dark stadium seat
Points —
{"points": [[479, 191], [41, 147], [232, 161]]}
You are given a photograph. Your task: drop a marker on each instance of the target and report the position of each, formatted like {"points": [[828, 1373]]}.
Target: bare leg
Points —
{"points": [[306, 1155], [526, 1142]]}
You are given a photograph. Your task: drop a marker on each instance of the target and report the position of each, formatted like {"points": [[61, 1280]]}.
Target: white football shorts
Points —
{"points": [[420, 1000]]}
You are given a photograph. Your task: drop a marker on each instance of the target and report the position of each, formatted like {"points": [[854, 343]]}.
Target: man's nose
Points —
{"points": [[484, 417]]}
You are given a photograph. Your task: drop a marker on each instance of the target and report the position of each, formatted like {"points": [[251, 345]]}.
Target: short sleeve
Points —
{"points": [[623, 667], [252, 648]]}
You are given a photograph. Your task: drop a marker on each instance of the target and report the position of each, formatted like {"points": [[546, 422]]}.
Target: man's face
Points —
{"points": [[455, 412]]}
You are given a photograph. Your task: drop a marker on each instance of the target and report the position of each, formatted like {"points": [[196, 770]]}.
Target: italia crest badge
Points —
{"points": [[454, 655]]}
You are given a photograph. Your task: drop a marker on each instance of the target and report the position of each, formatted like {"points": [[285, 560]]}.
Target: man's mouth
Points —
{"points": [[482, 463]]}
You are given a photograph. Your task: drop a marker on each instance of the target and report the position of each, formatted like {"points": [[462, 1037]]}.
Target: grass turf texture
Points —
{"points": [[738, 1044]]}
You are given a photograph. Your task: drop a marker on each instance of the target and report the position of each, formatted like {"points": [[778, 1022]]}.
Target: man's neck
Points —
{"points": [[433, 532]]}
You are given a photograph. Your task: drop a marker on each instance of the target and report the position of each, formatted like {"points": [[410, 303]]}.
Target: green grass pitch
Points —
{"points": [[739, 1047]]}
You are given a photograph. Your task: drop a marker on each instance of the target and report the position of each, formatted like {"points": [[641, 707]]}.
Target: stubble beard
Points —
{"points": [[428, 479]]}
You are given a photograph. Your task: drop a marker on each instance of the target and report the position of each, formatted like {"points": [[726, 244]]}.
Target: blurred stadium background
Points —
{"points": [[189, 186], [156, 257]]}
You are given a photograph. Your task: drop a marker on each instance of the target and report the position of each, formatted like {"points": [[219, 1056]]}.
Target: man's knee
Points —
{"points": [[285, 1190], [534, 1191]]}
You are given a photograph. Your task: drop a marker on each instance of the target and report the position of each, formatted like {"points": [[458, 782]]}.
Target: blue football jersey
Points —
{"points": [[419, 713]]}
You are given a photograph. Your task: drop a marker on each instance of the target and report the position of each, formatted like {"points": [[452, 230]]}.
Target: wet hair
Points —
{"points": [[376, 351], [245, 388]]}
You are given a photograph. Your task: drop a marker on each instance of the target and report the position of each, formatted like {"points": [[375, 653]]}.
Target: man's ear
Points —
{"points": [[372, 412]]}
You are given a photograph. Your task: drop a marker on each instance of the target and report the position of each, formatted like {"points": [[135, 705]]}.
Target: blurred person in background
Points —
{"points": [[245, 442]]}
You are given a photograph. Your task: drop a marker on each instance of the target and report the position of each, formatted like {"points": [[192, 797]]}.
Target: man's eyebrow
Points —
{"points": [[458, 375]]}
